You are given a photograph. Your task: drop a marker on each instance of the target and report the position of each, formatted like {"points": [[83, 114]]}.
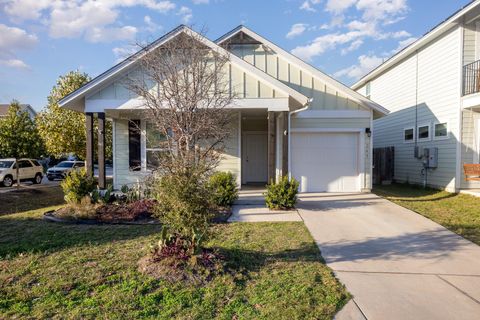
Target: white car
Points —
{"points": [[61, 170], [28, 170]]}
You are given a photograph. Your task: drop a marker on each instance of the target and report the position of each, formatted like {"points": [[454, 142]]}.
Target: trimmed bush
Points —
{"points": [[282, 195], [77, 185], [224, 188]]}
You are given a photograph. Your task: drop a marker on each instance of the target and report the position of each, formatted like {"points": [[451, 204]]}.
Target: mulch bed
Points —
{"points": [[138, 212]]}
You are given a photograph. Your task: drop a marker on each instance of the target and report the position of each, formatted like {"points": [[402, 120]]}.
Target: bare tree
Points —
{"points": [[184, 88]]}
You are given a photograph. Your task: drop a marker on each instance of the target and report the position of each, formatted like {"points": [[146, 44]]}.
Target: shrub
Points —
{"points": [[282, 195], [184, 206], [223, 188], [81, 210], [77, 185]]}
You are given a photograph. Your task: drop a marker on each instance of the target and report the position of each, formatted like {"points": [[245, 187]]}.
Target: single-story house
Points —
{"points": [[290, 118]]}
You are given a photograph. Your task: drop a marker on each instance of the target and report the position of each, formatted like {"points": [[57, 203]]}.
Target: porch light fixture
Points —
{"points": [[368, 132]]}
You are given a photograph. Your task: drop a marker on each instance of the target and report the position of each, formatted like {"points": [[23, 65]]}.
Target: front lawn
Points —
{"points": [[77, 271], [459, 213]]}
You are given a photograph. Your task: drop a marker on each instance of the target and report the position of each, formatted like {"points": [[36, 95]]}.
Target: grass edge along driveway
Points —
{"points": [[460, 213]]}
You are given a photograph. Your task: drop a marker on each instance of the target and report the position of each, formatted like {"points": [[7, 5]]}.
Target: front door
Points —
{"points": [[255, 157]]}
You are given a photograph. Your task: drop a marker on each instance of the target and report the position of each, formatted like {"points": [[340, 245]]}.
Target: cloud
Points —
{"points": [[366, 63], [307, 5], [201, 1], [13, 40], [186, 14], [367, 21], [122, 53], [339, 6], [111, 34], [296, 30], [327, 42], [14, 63], [95, 20], [151, 26]]}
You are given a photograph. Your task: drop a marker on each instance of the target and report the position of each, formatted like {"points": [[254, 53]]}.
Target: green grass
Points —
{"points": [[49, 270], [459, 213]]}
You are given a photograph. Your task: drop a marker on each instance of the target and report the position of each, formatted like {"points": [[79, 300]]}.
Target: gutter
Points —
{"points": [[306, 107]]}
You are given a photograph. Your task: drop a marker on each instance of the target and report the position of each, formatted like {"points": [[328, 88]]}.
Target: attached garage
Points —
{"points": [[327, 161]]}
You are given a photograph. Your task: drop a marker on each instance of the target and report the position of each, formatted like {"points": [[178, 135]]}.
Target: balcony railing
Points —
{"points": [[471, 78]]}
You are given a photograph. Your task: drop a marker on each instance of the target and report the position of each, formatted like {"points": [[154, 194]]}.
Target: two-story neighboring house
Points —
{"points": [[432, 89]]}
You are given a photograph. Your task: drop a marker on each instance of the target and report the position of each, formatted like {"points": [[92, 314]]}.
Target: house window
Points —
{"points": [[368, 89], [423, 132], [441, 130], [408, 134], [155, 146], [134, 143]]}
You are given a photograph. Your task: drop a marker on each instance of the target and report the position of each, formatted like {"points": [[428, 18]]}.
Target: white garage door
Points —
{"points": [[326, 162]]}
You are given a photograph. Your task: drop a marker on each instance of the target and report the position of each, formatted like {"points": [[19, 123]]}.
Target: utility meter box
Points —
{"points": [[431, 156]]}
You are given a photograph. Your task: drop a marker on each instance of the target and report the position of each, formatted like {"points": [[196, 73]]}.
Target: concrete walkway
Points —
{"points": [[396, 263]]}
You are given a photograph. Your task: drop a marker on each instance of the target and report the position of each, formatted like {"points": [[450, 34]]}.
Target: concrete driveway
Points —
{"points": [[396, 263]]}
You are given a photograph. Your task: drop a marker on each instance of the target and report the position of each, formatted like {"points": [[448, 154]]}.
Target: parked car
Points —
{"points": [[28, 170], [61, 170]]}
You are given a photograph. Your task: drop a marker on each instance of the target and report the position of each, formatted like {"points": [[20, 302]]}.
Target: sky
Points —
{"points": [[43, 39]]}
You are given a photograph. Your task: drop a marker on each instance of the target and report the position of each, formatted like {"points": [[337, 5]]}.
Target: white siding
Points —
{"points": [[324, 97], [438, 100]]}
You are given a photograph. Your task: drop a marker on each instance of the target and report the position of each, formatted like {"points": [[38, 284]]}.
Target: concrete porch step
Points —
{"points": [[260, 213]]}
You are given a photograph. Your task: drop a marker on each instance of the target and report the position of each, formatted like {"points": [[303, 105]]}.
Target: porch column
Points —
{"points": [[271, 146], [102, 181], [284, 138], [89, 153]]}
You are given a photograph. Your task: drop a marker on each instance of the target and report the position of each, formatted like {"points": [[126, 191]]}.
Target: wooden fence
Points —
{"points": [[383, 165]]}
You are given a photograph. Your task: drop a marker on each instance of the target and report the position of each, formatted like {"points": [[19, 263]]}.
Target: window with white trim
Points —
{"points": [[408, 134], [423, 132], [440, 130], [155, 146]]}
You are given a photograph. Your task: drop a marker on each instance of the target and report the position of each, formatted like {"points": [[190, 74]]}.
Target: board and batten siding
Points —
{"points": [[241, 84], [324, 97], [437, 97], [338, 124]]}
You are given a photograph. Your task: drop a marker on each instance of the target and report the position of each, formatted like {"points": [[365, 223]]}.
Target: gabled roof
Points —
{"points": [[338, 86], [96, 83], [434, 33]]}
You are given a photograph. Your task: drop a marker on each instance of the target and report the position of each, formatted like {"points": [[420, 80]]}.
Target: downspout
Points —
{"points": [[307, 105]]}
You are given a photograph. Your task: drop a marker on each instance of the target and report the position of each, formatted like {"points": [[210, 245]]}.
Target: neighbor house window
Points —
{"points": [[155, 146], [408, 134], [441, 130], [423, 132]]}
